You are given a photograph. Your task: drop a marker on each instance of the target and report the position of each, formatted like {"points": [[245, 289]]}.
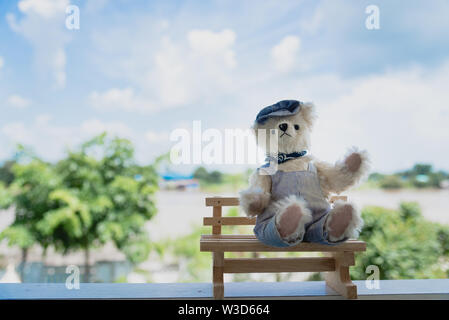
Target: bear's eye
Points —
{"points": [[296, 126]]}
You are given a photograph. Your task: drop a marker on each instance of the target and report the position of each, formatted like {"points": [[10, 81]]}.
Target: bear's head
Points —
{"points": [[293, 126]]}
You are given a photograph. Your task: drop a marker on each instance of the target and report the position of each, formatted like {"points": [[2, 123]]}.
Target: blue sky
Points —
{"points": [[141, 69]]}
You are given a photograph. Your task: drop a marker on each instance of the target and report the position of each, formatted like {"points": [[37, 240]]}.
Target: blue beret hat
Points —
{"points": [[279, 109]]}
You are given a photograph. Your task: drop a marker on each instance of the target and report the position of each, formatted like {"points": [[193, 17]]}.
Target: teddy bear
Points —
{"points": [[289, 194]]}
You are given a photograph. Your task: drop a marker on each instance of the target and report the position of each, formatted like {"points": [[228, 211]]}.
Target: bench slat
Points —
{"points": [[228, 236], [229, 221], [309, 264], [249, 243], [234, 201], [222, 201]]}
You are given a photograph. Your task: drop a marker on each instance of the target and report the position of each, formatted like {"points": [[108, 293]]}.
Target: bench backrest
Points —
{"points": [[217, 220]]}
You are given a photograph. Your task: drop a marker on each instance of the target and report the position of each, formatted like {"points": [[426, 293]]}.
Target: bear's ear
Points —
{"points": [[308, 113]]}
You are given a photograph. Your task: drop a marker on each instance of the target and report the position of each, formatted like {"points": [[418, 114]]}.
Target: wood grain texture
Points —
{"points": [[252, 265], [234, 201], [229, 221], [340, 280], [217, 275], [249, 243], [336, 264], [217, 215], [222, 201]]}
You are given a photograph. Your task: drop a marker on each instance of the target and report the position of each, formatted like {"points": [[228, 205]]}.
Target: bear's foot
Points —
{"points": [[343, 222], [291, 217]]}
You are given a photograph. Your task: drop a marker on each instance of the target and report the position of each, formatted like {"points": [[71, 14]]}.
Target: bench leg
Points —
{"points": [[217, 276], [339, 280]]}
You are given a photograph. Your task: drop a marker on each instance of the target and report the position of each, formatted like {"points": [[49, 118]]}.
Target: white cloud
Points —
{"points": [[94, 127], [92, 6], [114, 99], [42, 25], [217, 44], [50, 139], [17, 132], [43, 119], [285, 53], [181, 73], [58, 66], [401, 117], [18, 102], [174, 75], [171, 78], [2, 62], [397, 115], [312, 23], [157, 137], [43, 8]]}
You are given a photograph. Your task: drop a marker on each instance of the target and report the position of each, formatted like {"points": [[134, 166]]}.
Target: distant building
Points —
{"points": [[176, 181]]}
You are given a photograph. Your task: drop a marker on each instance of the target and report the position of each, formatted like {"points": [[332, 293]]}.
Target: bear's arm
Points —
{"points": [[262, 181], [257, 197], [343, 174]]}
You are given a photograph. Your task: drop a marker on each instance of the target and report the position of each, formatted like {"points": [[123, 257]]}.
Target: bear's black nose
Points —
{"points": [[283, 126]]}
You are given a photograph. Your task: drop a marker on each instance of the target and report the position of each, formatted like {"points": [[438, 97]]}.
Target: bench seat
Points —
{"points": [[335, 263], [249, 243]]}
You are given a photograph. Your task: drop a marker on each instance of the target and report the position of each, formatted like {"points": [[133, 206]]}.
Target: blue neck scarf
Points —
{"points": [[284, 157]]}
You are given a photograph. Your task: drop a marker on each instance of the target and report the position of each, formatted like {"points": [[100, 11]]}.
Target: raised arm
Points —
{"points": [[344, 173], [256, 198]]}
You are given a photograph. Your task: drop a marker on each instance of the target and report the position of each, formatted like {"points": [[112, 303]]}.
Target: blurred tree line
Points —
{"points": [[205, 176], [216, 181], [420, 176], [96, 194]]}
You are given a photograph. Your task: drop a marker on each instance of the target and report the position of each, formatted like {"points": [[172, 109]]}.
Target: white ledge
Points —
{"points": [[389, 289]]}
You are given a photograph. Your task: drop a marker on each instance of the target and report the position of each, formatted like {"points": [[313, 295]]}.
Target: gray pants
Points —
{"points": [[303, 184]]}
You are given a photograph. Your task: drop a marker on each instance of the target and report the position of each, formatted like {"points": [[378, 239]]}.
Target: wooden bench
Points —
{"points": [[336, 263]]}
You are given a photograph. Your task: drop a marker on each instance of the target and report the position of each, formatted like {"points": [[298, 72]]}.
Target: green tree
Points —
{"points": [[375, 176], [5, 196], [402, 244], [436, 178], [208, 177], [96, 194], [6, 174], [34, 182], [422, 168], [390, 182], [110, 194], [215, 177], [201, 174]]}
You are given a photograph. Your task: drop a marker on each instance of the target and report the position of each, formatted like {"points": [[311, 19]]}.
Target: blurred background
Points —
{"points": [[91, 90]]}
